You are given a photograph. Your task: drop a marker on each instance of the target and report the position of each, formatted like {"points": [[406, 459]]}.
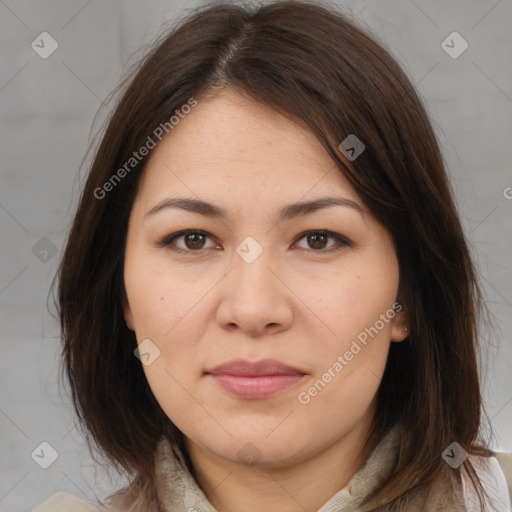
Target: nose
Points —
{"points": [[255, 298]]}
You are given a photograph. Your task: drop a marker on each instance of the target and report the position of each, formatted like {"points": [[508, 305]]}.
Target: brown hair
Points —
{"points": [[315, 66]]}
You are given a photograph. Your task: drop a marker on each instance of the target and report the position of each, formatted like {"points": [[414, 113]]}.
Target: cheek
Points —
{"points": [[354, 303], [167, 310], [159, 298], [169, 384], [163, 311]]}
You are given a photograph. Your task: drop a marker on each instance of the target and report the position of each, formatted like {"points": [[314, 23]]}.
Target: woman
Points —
{"points": [[267, 299]]}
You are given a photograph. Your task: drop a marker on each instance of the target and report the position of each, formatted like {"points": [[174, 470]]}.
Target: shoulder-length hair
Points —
{"points": [[315, 66]]}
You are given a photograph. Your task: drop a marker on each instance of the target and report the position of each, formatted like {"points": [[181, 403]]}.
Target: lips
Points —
{"points": [[240, 367], [260, 379]]}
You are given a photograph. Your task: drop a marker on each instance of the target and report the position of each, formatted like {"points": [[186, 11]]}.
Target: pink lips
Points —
{"points": [[255, 380]]}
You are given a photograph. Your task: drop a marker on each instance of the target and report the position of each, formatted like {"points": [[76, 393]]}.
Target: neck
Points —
{"points": [[231, 486]]}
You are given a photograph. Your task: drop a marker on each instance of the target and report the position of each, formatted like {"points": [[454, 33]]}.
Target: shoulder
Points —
{"points": [[64, 502], [505, 461], [493, 476]]}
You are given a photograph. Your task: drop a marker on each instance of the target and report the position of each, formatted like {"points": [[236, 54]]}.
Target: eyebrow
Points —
{"points": [[287, 212]]}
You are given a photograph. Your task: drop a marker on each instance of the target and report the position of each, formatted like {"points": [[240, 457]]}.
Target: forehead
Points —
{"points": [[233, 147]]}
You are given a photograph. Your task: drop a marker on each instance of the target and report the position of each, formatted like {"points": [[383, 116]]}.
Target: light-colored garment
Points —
{"points": [[495, 482], [179, 492], [64, 502], [505, 461]]}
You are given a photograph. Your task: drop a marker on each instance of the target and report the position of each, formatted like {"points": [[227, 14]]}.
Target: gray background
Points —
{"points": [[47, 111]]}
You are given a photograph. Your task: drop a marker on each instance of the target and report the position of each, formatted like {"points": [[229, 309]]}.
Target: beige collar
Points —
{"points": [[179, 492]]}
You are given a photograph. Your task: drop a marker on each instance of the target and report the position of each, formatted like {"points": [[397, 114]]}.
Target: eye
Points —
{"points": [[193, 240], [317, 240]]}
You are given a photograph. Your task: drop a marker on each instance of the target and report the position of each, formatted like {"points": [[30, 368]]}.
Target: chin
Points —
{"points": [[250, 448]]}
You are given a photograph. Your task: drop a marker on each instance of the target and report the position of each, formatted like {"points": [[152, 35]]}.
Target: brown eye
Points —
{"points": [[318, 240], [192, 241]]}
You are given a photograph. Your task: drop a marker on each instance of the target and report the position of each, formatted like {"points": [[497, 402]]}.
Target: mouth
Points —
{"points": [[261, 379]]}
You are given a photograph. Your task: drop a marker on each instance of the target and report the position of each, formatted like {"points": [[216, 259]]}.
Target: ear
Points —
{"points": [[128, 318], [401, 328]]}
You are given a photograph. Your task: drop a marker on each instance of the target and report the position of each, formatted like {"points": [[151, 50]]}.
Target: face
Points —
{"points": [[296, 308]]}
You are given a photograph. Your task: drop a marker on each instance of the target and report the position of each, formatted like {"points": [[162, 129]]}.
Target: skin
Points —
{"points": [[299, 302]]}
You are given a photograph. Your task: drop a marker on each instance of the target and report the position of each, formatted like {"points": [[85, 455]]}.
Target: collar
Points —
{"points": [[178, 491]]}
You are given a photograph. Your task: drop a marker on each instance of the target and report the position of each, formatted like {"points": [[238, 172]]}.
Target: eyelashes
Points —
{"points": [[196, 237]]}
